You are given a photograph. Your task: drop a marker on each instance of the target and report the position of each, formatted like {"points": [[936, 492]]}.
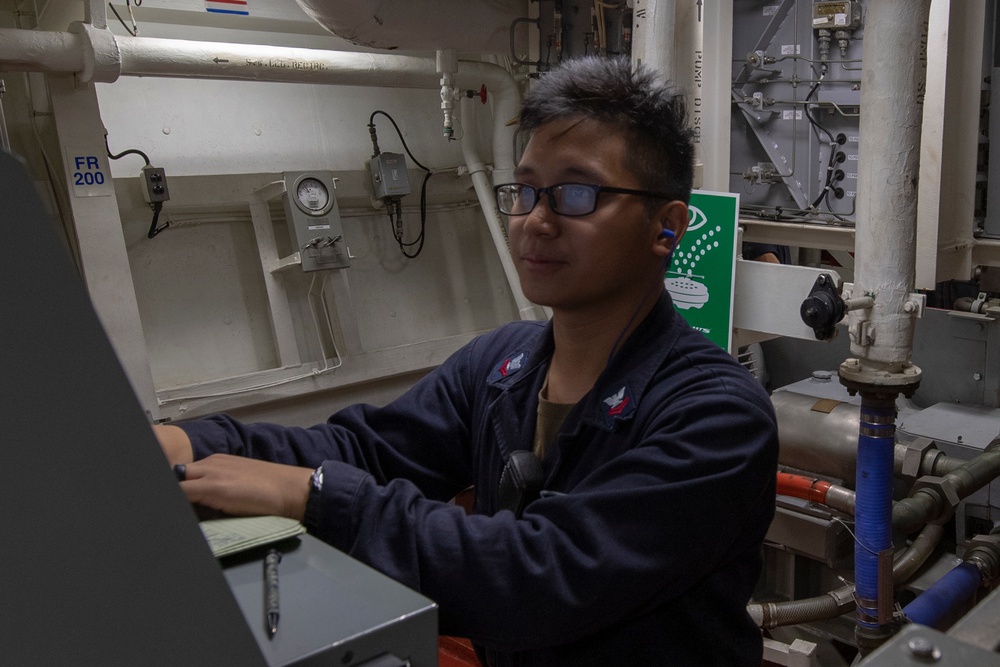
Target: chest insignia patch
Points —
{"points": [[511, 365], [508, 367], [619, 403]]}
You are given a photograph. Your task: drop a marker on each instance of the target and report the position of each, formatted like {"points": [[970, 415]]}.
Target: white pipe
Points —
{"points": [[211, 60], [653, 44], [889, 151], [688, 73], [40, 51], [481, 181]]}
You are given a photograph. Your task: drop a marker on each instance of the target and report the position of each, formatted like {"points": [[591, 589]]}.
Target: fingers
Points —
{"points": [[242, 487]]}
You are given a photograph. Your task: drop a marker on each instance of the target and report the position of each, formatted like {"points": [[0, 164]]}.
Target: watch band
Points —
{"points": [[312, 513]]}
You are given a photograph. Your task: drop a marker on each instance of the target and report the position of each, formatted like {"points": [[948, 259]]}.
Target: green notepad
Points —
{"points": [[235, 534]]}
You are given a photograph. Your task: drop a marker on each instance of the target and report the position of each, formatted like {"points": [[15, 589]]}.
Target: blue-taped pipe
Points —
{"points": [[935, 604], [873, 512]]}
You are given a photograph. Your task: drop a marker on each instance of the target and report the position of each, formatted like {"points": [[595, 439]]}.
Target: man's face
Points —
{"points": [[595, 262]]}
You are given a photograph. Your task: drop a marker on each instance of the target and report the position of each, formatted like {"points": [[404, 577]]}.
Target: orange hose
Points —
{"points": [[800, 486]]}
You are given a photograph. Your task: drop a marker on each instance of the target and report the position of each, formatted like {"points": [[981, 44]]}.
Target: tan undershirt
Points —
{"points": [[549, 420]]}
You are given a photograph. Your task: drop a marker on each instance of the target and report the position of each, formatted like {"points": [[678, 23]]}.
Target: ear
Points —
{"points": [[672, 220]]}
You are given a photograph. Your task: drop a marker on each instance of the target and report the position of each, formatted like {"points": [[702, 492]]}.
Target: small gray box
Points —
{"points": [[389, 178]]}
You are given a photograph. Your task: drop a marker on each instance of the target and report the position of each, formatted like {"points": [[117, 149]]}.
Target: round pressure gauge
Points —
{"points": [[312, 195]]}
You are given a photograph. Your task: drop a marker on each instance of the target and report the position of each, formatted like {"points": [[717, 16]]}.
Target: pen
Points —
{"points": [[271, 591]]}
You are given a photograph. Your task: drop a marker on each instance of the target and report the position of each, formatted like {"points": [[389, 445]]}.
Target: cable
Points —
{"points": [[156, 206], [130, 151], [817, 128], [153, 229], [134, 31], [371, 129]]}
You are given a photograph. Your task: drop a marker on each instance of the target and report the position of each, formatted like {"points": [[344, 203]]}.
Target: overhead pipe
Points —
{"points": [[98, 55]]}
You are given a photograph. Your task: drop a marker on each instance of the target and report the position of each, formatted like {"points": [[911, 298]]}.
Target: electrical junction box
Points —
{"points": [[844, 15], [314, 220], [154, 181], [389, 177]]}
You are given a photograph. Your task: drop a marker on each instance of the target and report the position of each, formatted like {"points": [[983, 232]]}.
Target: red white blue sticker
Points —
{"points": [[238, 7]]}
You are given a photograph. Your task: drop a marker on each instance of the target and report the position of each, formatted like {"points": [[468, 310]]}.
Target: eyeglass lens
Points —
{"points": [[564, 199]]}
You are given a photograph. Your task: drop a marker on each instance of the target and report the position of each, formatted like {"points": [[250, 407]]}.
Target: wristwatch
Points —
{"points": [[316, 481], [311, 517]]}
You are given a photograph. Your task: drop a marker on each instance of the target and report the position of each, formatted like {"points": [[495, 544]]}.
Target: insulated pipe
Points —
{"points": [[800, 486], [40, 51], [893, 72], [932, 606], [817, 435], [652, 45], [526, 309]]}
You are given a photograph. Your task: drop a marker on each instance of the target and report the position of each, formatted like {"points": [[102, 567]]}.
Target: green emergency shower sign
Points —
{"points": [[702, 273]]}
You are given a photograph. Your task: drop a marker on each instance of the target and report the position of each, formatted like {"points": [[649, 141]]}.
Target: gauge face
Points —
{"points": [[313, 196]]}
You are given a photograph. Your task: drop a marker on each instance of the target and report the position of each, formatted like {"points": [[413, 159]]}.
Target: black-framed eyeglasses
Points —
{"points": [[569, 199]]}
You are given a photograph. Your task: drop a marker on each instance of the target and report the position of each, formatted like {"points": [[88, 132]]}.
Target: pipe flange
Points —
{"points": [[102, 60], [856, 376]]}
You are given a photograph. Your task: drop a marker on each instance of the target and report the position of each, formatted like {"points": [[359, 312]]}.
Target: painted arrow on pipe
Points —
{"points": [[218, 60]]}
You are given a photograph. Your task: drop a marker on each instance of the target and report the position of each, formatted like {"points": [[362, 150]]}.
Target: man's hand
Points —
{"points": [[246, 487]]}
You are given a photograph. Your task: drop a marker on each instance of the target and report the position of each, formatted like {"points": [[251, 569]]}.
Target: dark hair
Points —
{"points": [[659, 145]]}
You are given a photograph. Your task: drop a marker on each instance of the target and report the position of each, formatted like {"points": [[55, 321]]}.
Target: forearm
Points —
{"points": [[221, 434], [175, 443]]}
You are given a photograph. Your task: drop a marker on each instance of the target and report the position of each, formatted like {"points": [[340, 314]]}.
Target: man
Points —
{"points": [[658, 451]]}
